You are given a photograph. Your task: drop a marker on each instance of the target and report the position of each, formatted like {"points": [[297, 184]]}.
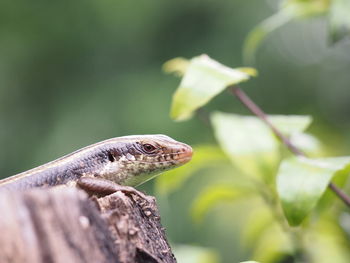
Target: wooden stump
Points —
{"points": [[63, 225]]}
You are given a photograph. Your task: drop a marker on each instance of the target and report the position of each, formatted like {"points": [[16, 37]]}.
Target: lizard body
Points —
{"points": [[126, 161]]}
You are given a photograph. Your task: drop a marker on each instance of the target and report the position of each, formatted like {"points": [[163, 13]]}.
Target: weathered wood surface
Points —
{"points": [[64, 225]]}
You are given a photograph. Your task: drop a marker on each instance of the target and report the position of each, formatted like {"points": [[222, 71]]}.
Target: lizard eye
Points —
{"points": [[148, 148]]}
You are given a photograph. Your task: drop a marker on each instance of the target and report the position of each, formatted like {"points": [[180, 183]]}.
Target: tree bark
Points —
{"points": [[63, 225]]}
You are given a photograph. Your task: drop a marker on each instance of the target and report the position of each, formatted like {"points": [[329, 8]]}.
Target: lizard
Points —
{"points": [[105, 167]]}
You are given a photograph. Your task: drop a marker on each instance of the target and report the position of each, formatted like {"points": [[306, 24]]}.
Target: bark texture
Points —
{"points": [[63, 225]]}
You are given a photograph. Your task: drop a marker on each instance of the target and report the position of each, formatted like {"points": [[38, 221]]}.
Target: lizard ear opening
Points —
{"points": [[111, 157]]}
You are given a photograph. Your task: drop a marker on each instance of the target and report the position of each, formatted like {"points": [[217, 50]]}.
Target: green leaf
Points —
{"points": [[211, 196], [257, 35], [307, 143], [329, 241], [306, 8], [339, 20], [205, 155], [250, 144], [290, 10], [195, 254], [301, 182], [178, 66], [291, 124], [273, 245], [255, 224], [204, 79]]}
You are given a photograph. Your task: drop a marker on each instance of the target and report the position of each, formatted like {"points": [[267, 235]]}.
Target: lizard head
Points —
{"points": [[139, 158]]}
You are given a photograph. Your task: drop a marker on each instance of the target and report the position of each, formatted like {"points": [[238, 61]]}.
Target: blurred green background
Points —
{"points": [[76, 72]]}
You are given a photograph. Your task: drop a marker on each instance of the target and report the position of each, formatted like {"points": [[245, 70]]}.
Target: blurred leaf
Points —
{"points": [[204, 156], [306, 8], [250, 71], [301, 182], [257, 221], [327, 241], [291, 124], [344, 222], [249, 262], [247, 141], [307, 143], [213, 195], [260, 32], [273, 245], [250, 144], [291, 9], [195, 254], [339, 20], [203, 80], [177, 66]]}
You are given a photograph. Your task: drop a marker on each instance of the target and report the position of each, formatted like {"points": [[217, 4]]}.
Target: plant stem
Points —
{"points": [[256, 110]]}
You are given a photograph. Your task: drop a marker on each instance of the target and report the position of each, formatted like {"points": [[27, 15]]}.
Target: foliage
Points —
{"points": [[339, 20], [203, 79], [301, 182], [195, 254], [292, 188], [337, 12]]}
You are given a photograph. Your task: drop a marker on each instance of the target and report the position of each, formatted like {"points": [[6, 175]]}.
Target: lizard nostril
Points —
{"points": [[186, 152]]}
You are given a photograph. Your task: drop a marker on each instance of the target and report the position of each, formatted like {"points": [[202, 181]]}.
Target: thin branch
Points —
{"points": [[341, 194], [256, 110]]}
